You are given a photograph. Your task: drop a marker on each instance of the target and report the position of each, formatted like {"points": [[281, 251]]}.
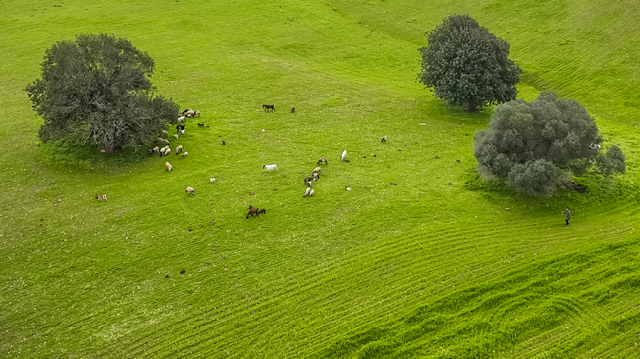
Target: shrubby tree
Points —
{"points": [[98, 86], [467, 65], [534, 145]]}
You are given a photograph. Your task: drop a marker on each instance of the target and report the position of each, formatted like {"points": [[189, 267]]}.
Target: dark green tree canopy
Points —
{"points": [[533, 144], [467, 65], [99, 85]]}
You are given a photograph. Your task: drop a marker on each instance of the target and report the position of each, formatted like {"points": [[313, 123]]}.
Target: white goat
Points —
{"points": [[269, 168], [181, 119], [185, 154]]}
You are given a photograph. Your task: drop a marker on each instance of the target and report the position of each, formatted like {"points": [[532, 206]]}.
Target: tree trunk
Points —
{"points": [[472, 107], [113, 150]]}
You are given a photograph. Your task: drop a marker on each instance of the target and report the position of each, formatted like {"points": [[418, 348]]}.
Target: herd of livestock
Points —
{"points": [[180, 129]]}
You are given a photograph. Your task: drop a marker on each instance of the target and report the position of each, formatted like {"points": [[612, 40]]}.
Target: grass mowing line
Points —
{"points": [[382, 294], [526, 272]]}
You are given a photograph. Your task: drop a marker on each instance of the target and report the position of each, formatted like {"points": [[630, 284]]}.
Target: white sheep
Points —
{"points": [[169, 166], [176, 136], [307, 192], [185, 154], [178, 149], [167, 152], [269, 168], [213, 180], [344, 155], [155, 150], [191, 190], [165, 133]]}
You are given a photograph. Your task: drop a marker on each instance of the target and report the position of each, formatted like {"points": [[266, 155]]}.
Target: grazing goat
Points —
{"points": [[190, 113], [176, 136], [309, 179], [344, 155], [213, 180], [312, 193], [267, 107], [307, 192], [316, 170], [165, 133], [191, 190], [200, 124], [181, 119], [262, 211], [384, 139], [185, 111], [323, 160], [252, 212], [169, 166], [101, 197], [315, 175], [270, 168], [182, 132], [167, 152], [155, 150], [185, 154], [179, 128], [179, 149]]}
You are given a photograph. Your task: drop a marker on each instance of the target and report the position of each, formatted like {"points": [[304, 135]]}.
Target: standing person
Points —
{"points": [[567, 213]]}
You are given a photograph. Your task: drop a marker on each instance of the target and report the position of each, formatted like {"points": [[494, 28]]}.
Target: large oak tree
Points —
{"points": [[98, 85], [533, 145], [467, 65]]}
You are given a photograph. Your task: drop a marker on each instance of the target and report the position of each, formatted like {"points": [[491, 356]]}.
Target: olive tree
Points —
{"points": [[467, 65], [533, 144], [98, 86]]}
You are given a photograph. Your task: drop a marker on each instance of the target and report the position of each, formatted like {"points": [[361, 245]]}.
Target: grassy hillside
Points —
{"points": [[412, 262]]}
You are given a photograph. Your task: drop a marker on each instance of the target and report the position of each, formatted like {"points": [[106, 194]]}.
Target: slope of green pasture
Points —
{"points": [[87, 278]]}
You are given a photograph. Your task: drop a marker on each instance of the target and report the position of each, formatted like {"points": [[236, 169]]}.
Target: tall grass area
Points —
{"points": [[420, 259]]}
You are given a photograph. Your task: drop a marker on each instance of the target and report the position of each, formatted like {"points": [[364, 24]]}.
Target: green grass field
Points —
{"points": [[420, 259]]}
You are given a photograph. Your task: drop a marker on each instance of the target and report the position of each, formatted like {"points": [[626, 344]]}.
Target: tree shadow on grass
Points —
{"points": [[438, 109], [70, 154], [590, 192]]}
